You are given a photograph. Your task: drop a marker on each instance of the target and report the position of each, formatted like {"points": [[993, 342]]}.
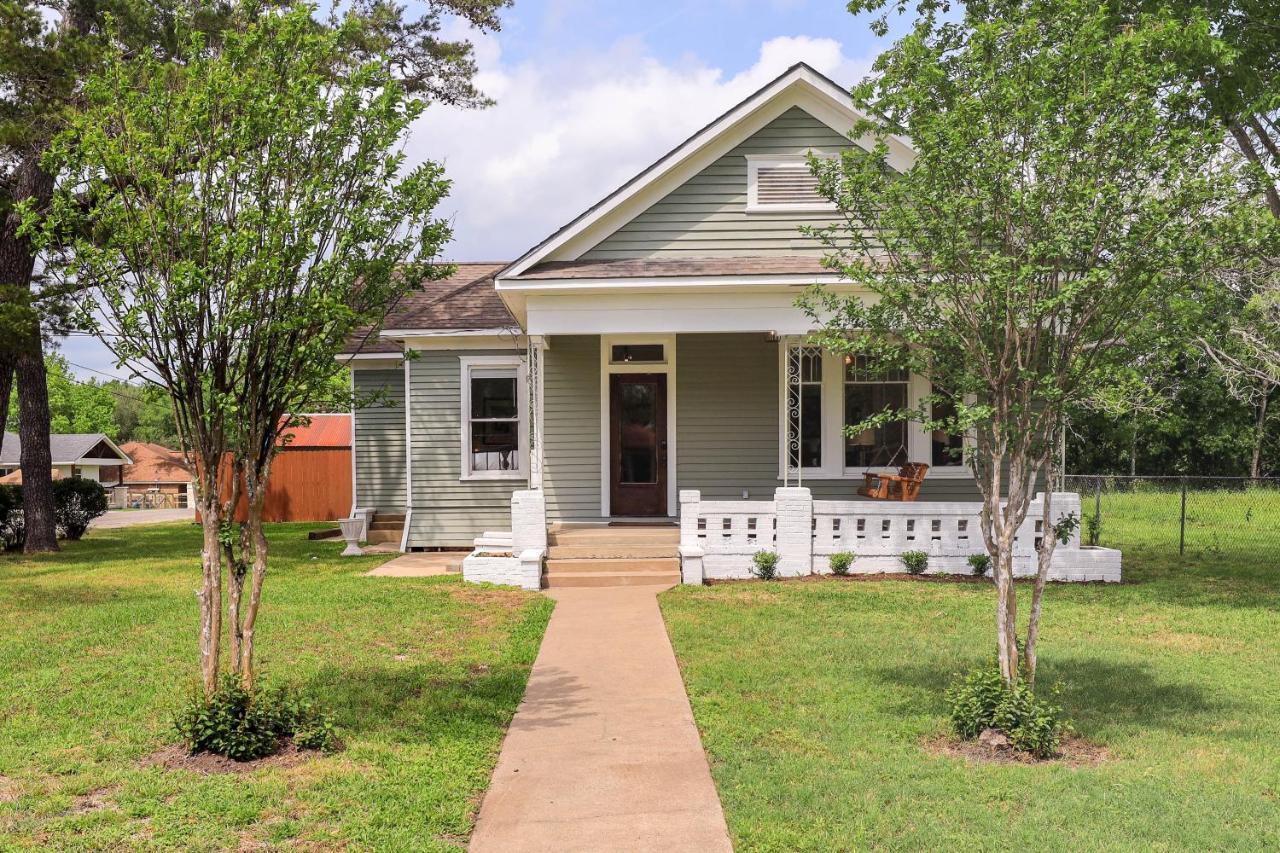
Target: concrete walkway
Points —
{"points": [[132, 517], [603, 753], [422, 564]]}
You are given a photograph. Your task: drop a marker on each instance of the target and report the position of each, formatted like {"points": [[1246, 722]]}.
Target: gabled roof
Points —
{"points": [[799, 85], [64, 448], [461, 302], [154, 463]]}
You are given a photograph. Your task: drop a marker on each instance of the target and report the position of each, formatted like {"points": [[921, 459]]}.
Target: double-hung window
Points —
{"points": [[494, 418]]}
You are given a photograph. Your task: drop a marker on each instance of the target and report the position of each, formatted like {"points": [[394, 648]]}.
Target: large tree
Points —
{"points": [[1039, 246], [48, 49], [237, 214]]}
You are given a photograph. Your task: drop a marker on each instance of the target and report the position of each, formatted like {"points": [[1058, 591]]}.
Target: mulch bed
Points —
{"points": [[176, 757], [1076, 752], [875, 577]]}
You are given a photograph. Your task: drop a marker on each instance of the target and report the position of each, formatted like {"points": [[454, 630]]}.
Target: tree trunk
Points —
{"points": [[210, 594], [36, 462], [6, 386], [1259, 435], [1044, 554], [256, 489], [17, 261]]}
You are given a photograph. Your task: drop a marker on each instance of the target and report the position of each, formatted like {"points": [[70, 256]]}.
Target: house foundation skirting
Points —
{"points": [[719, 538]]}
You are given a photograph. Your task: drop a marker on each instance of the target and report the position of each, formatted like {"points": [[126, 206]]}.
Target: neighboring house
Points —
{"points": [[73, 455], [649, 352], [158, 478]]}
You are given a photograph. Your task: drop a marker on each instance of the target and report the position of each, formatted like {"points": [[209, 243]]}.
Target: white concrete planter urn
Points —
{"points": [[351, 529]]}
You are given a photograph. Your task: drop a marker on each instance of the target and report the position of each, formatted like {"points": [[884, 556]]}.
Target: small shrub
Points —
{"points": [[76, 502], [1093, 528], [979, 564], [243, 725], [764, 565], [915, 561], [981, 700], [13, 533], [840, 563]]}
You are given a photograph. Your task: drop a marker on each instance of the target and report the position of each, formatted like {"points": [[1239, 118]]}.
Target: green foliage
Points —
{"points": [[1093, 528], [972, 701], [764, 565], [12, 528], [244, 725], [979, 564], [1042, 214], [76, 502], [916, 562], [981, 700], [840, 562], [1066, 527]]}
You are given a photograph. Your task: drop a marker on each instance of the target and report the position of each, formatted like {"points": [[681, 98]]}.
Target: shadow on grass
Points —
{"points": [[1092, 691], [413, 704]]}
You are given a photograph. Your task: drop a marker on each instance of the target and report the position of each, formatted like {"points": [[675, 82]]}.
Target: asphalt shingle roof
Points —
{"points": [[66, 449]]}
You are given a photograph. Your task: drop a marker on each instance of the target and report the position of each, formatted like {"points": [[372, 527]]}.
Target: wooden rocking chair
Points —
{"points": [[903, 486]]}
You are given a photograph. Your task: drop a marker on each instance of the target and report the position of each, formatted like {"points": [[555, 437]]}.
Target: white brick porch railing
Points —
{"points": [[718, 538]]}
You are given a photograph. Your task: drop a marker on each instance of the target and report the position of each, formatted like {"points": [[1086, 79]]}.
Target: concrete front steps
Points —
{"points": [[386, 529], [604, 555]]}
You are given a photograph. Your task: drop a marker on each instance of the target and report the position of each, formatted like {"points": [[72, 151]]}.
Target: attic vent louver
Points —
{"points": [[782, 183]]}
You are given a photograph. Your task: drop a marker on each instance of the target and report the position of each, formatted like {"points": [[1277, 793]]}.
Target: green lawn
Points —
{"points": [[99, 645], [813, 699]]}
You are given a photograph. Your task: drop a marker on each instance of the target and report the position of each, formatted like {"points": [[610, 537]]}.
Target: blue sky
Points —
{"points": [[588, 93]]}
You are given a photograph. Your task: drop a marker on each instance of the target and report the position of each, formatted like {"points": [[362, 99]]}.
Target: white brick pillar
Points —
{"points": [[691, 570], [528, 521], [794, 538]]}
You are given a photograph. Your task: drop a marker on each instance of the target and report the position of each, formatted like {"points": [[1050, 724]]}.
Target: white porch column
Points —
{"points": [[536, 355], [794, 540]]}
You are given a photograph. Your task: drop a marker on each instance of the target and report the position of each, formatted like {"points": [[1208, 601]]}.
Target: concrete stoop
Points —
{"points": [[386, 529], [600, 555]]}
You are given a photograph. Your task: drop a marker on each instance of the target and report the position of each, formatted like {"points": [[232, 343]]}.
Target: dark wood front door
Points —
{"points": [[638, 444]]}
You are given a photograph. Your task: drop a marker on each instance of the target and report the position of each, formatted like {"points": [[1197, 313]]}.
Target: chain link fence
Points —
{"points": [[1188, 515]]}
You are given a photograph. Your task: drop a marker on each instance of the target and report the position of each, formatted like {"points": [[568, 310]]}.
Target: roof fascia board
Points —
{"points": [[446, 333], [624, 285]]}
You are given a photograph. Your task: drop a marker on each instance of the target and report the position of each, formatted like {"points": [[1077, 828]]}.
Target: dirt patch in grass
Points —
{"points": [[1076, 752], [176, 757], [92, 801]]}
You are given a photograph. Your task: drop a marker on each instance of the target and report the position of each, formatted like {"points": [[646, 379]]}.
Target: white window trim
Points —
{"points": [[919, 442], [468, 364], [607, 368], [755, 161]]}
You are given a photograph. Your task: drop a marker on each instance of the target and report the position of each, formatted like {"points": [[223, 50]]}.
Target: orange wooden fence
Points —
{"points": [[307, 484]]}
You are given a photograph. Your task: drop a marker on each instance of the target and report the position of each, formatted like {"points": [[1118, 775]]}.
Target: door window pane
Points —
{"points": [[638, 439], [642, 353]]}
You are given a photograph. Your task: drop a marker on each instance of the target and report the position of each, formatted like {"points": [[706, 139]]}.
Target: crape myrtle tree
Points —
{"points": [[236, 214], [1045, 240]]}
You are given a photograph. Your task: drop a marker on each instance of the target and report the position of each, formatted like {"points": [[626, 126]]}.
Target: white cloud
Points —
{"points": [[563, 136]]}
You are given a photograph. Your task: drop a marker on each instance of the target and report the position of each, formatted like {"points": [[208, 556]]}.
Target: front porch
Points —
{"points": [[717, 540]]}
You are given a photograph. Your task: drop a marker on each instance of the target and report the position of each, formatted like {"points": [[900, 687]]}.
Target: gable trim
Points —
{"points": [[814, 93]]}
